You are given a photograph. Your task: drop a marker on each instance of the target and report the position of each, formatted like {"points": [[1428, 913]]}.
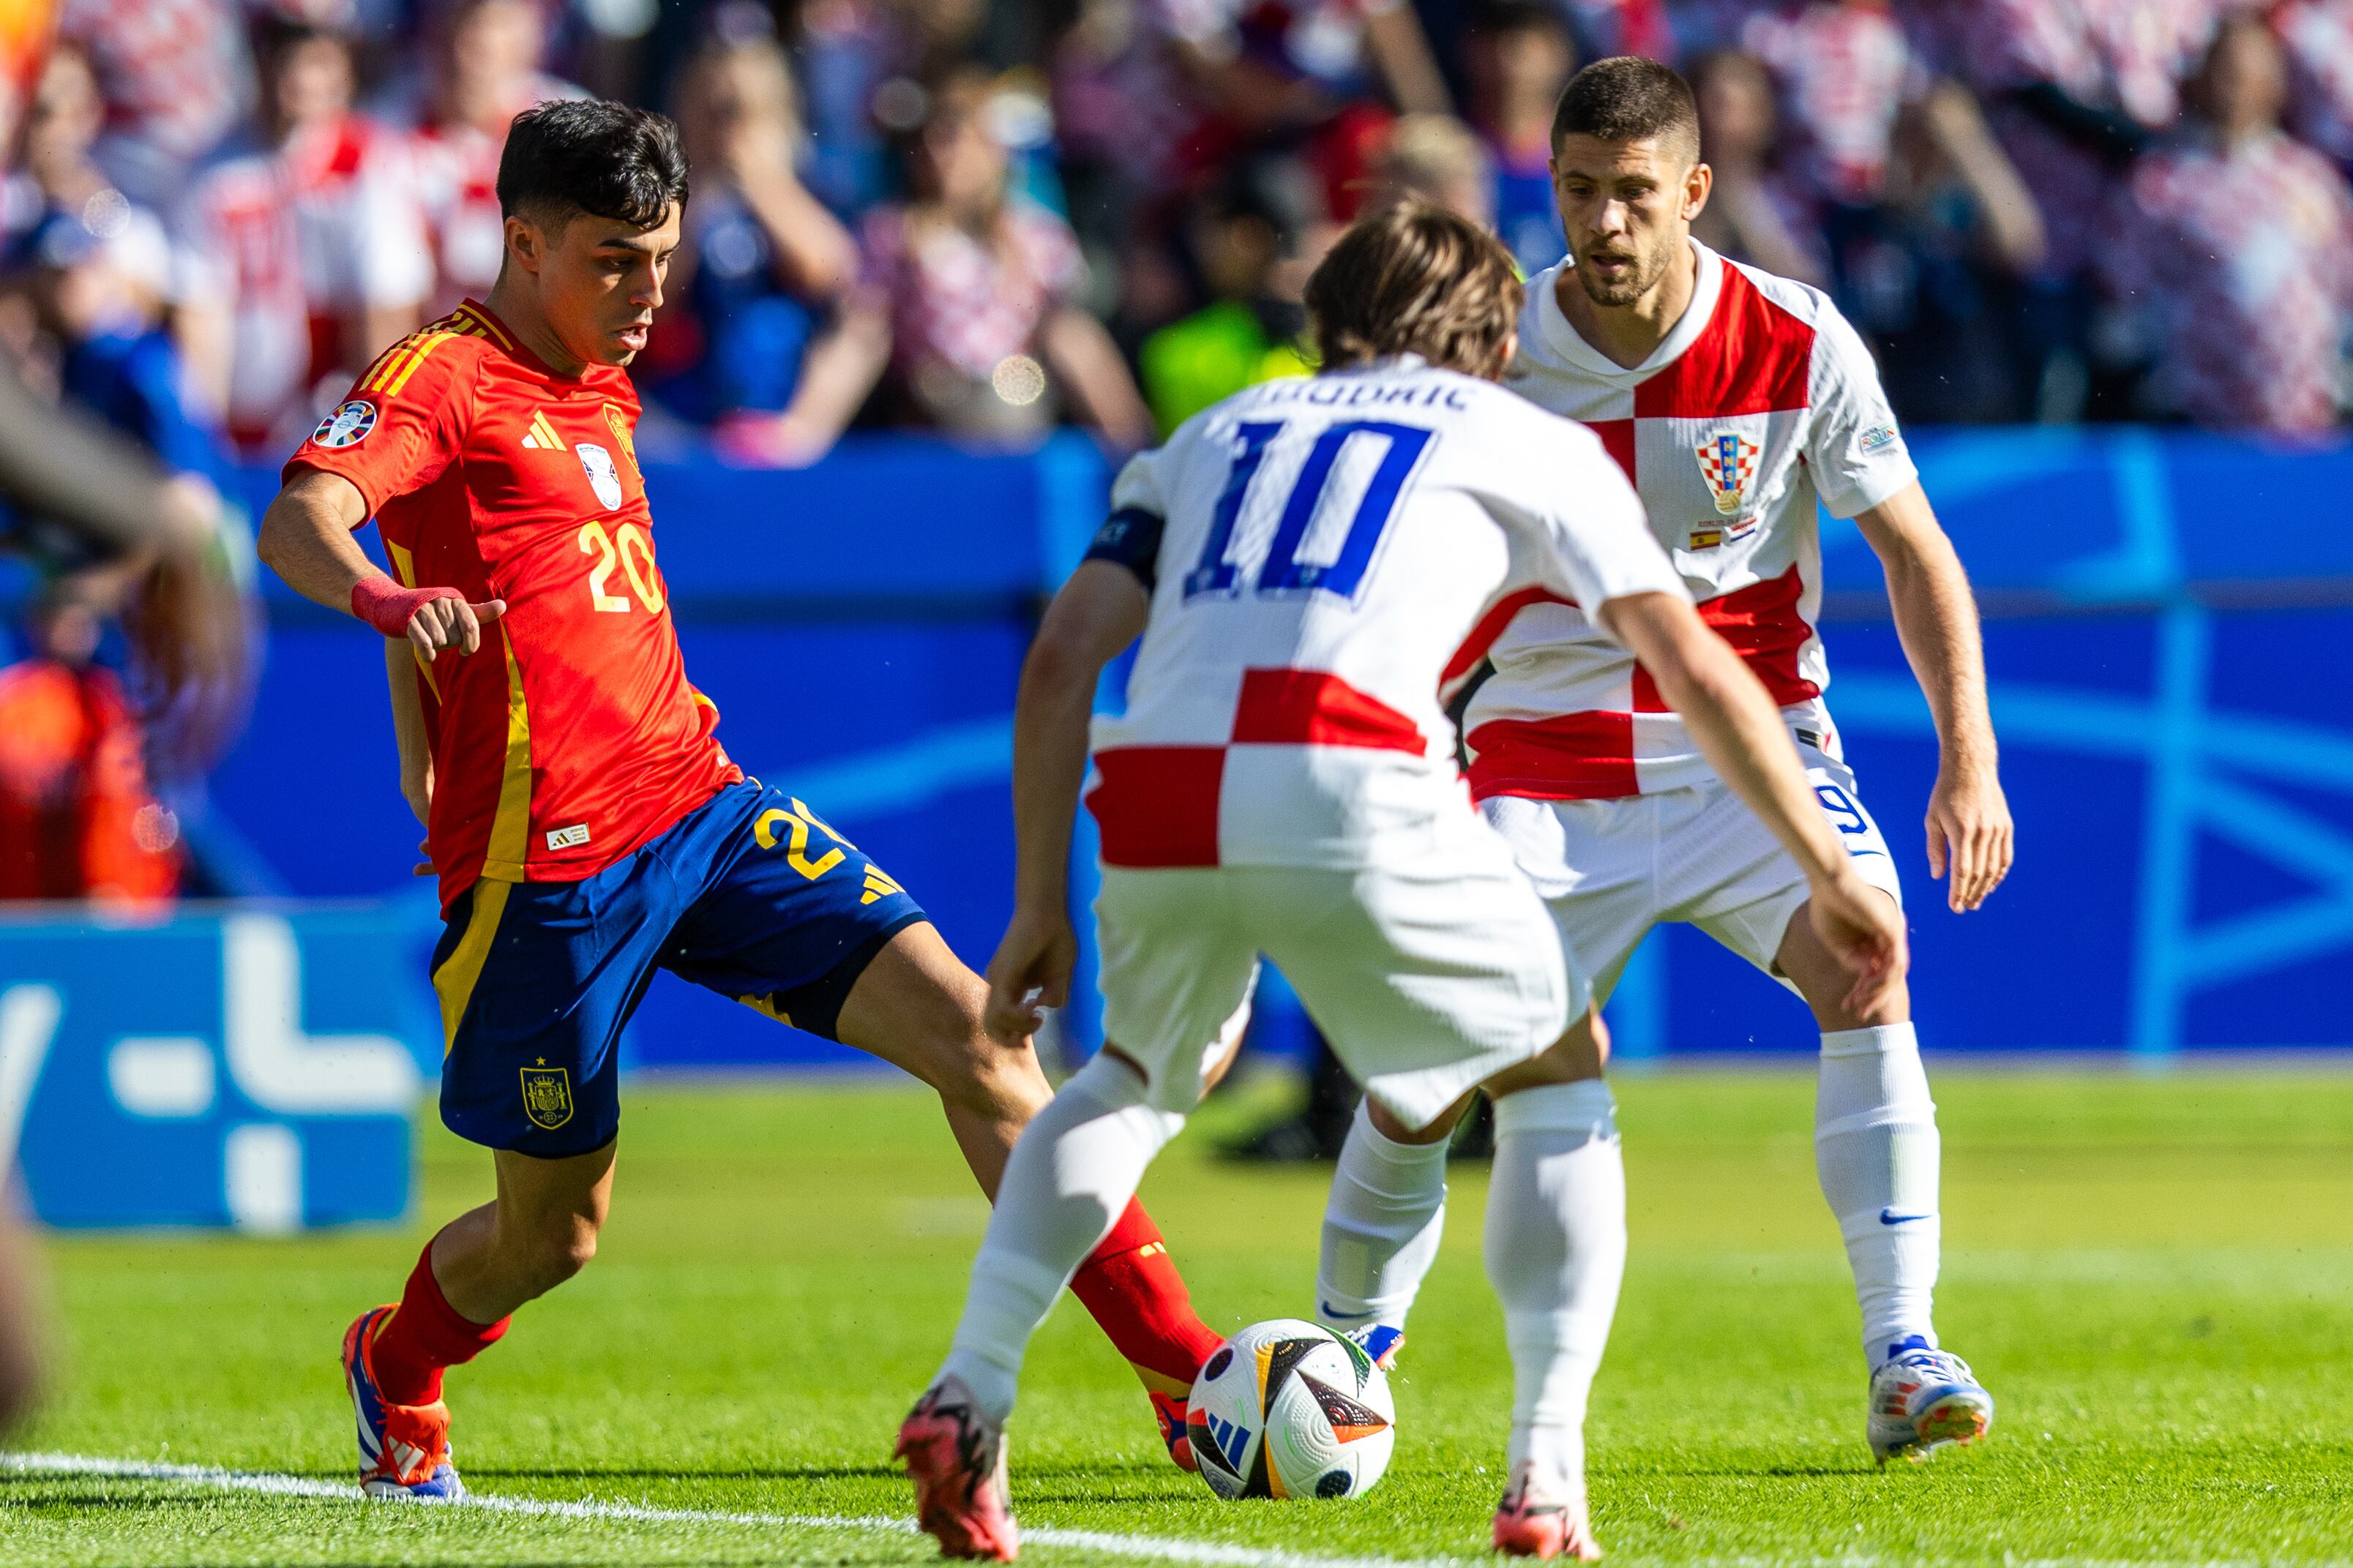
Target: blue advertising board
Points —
{"points": [[245, 1066]]}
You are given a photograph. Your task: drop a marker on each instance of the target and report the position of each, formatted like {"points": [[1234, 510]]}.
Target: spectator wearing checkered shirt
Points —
{"points": [[970, 300], [2234, 243], [2076, 88]]}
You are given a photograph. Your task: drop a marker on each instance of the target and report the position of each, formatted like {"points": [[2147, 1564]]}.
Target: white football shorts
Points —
{"points": [[1611, 869], [1427, 980]]}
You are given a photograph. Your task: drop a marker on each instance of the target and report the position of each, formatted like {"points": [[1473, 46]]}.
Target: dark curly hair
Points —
{"points": [[591, 156]]}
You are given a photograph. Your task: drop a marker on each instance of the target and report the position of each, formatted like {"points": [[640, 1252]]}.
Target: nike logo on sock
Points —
{"points": [[1889, 1217], [1329, 1310]]}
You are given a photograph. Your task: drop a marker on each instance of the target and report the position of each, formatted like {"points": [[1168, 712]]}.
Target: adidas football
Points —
{"points": [[1289, 1409]]}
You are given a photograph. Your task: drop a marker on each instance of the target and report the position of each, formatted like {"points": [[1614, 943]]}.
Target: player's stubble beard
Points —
{"points": [[1650, 265]]}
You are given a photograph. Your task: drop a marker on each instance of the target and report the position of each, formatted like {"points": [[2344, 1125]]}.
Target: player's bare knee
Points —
{"points": [[561, 1254], [990, 1079]]}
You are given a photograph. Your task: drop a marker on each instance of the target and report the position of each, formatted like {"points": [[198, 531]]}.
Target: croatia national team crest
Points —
{"points": [[347, 425], [602, 476], [547, 1097], [1728, 460]]}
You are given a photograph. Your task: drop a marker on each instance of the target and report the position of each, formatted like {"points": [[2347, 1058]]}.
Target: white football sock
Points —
{"points": [[1070, 1178], [1381, 1227], [1555, 1253], [1877, 1151]]}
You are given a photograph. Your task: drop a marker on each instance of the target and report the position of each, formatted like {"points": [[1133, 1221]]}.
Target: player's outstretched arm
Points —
{"points": [[1969, 831], [1100, 611], [306, 538], [1742, 733]]}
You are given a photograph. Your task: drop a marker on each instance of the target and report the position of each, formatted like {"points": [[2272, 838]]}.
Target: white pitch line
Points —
{"points": [[1211, 1555]]}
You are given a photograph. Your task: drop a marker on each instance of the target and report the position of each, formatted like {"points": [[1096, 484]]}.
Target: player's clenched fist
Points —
{"points": [[1031, 972], [430, 618]]}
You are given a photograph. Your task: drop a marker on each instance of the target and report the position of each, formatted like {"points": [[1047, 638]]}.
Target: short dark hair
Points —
{"points": [[1629, 99], [589, 156], [1416, 279]]}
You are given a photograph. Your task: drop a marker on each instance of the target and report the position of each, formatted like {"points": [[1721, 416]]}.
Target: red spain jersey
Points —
{"points": [[573, 736]]}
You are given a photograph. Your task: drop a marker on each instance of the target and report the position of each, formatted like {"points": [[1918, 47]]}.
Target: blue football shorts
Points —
{"points": [[750, 894]]}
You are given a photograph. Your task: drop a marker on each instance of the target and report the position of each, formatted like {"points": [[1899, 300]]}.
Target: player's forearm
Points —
{"points": [[1936, 620], [1733, 721], [408, 727], [1101, 610], [306, 538], [1049, 763]]}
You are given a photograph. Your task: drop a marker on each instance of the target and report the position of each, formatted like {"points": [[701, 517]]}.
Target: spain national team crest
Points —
{"points": [[603, 477], [347, 425], [1727, 461], [547, 1097], [621, 437]]}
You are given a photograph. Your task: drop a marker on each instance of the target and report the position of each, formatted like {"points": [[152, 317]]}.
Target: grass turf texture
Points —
{"points": [[2153, 1276]]}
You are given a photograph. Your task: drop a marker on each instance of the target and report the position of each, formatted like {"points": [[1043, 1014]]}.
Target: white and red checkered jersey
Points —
{"points": [[1325, 545], [959, 302], [1760, 400]]}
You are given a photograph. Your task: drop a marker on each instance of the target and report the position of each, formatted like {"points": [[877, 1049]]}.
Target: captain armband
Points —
{"points": [[1130, 537]]}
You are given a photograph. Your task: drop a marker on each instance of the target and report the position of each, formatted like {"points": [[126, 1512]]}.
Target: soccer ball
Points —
{"points": [[1289, 1409]]}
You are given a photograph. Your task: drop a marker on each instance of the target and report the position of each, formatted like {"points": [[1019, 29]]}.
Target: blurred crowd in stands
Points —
{"points": [[985, 216]]}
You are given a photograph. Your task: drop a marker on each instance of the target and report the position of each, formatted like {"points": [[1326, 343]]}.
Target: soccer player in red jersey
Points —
{"points": [[586, 826]]}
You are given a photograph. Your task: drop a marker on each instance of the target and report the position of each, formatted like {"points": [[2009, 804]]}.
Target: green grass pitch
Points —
{"points": [[2155, 1276]]}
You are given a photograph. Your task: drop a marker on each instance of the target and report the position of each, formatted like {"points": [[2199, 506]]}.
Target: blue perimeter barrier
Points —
{"points": [[2164, 614]]}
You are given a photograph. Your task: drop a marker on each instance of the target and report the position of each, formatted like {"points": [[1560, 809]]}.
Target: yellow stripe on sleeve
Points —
{"points": [[423, 352]]}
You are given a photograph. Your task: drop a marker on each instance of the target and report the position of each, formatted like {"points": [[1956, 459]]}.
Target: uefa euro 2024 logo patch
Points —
{"points": [[347, 425], [603, 477], [1727, 461]]}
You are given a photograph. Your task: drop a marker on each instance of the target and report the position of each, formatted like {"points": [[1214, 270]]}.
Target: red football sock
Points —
{"points": [[423, 1335], [1131, 1285]]}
